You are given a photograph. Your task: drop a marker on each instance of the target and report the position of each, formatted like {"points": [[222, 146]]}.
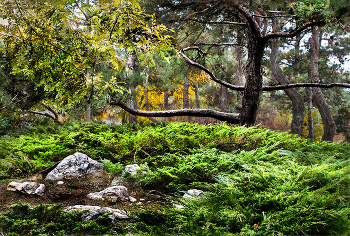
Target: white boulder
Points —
{"points": [[27, 187], [75, 166], [112, 194]]}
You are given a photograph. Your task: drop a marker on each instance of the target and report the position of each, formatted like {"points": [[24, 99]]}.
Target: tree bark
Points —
{"points": [[239, 67], [132, 102], [223, 100], [318, 97], [310, 117], [198, 102], [166, 99], [298, 110], [232, 118], [253, 86], [88, 97], [146, 94], [186, 103]]}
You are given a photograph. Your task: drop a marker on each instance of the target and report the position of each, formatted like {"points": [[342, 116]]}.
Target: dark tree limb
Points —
{"points": [[294, 32], [304, 85], [53, 116], [215, 22], [264, 88], [219, 44], [212, 76], [232, 118]]}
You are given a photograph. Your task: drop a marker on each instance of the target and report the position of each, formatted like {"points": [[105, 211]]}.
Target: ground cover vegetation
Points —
{"points": [[256, 181]]}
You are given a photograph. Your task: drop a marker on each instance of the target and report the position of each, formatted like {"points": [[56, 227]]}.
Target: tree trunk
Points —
{"points": [[223, 101], [132, 90], [310, 117], [239, 67], [319, 99], [253, 86], [146, 94], [166, 99], [186, 103], [198, 104], [298, 110], [297, 56], [88, 97]]}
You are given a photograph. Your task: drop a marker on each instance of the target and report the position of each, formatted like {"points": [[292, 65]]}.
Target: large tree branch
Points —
{"points": [[219, 44], [294, 32], [53, 116], [250, 19], [264, 88], [232, 118], [215, 22], [303, 85], [199, 66]]}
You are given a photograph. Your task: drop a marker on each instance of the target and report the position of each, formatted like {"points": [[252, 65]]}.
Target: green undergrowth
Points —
{"points": [[256, 181], [37, 147], [52, 220]]}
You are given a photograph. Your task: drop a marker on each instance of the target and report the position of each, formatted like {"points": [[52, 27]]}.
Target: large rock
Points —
{"points": [[27, 187], [111, 194], [75, 166], [96, 211]]}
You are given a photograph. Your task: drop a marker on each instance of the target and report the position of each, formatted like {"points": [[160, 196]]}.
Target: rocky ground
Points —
{"points": [[73, 190]]}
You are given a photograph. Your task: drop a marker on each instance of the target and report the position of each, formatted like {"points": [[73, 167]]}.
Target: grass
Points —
{"points": [[256, 182]]}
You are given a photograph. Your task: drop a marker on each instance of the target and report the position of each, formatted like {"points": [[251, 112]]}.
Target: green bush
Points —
{"points": [[51, 220]]}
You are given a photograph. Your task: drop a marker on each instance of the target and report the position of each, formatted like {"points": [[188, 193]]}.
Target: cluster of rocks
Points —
{"points": [[80, 165]]}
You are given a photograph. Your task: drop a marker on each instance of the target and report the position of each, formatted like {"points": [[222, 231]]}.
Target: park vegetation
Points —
{"points": [[260, 87]]}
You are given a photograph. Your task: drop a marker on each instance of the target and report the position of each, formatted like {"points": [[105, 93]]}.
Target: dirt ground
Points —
{"points": [[74, 192]]}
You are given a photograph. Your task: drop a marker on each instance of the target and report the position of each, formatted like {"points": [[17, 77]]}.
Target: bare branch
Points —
{"points": [[229, 117], [43, 114], [215, 22], [51, 110], [219, 44], [250, 19], [294, 32], [300, 85], [53, 116], [212, 76]]}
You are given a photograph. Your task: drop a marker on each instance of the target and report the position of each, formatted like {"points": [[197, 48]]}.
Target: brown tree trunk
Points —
{"points": [[310, 117], [239, 68], [253, 86], [132, 90], [198, 104], [166, 99], [298, 110], [297, 56], [223, 101], [146, 94], [186, 103], [88, 97], [319, 99]]}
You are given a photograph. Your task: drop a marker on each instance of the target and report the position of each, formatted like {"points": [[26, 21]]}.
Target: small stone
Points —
{"points": [[27, 187], [193, 193], [112, 194], [131, 199], [60, 182], [132, 169], [142, 199], [96, 211], [180, 207]]}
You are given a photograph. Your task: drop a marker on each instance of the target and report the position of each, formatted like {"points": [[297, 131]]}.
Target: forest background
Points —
{"points": [[75, 60]]}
